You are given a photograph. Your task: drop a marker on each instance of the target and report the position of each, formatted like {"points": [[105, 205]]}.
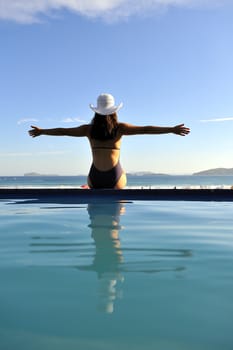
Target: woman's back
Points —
{"points": [[105, 142], [105, 153]]}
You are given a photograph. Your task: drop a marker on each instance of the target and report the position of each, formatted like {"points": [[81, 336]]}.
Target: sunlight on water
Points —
{"points": [[108, 275]]}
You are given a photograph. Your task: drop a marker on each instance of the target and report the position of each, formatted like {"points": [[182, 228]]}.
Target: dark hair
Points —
{"points": [[104, 127]]}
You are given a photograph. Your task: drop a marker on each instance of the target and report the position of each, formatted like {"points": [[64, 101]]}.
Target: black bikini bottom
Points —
{"points": [[105, 179]]}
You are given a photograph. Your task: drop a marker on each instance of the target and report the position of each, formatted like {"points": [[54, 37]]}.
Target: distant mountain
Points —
{"points": [[38, 174], [216, 172]]}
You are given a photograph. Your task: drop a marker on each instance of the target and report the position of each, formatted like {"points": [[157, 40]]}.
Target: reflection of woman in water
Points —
{"points": [[105, 227], [104, 134]]}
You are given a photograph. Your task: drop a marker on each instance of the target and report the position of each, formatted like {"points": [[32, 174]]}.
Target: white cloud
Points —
{"points": [[217, 120], [29, 11], [73, 120], [26, 120], [65, 120]]}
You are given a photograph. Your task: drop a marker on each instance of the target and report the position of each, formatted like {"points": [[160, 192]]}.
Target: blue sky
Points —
{"points": [[168, 61]]}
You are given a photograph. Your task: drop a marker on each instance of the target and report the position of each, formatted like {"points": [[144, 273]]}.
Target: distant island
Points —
{"points": [[216, 172], [210, 172], [137, 173], [38, 174]]}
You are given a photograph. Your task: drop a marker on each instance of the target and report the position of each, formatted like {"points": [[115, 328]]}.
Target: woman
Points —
{"points": [[104, 134]]}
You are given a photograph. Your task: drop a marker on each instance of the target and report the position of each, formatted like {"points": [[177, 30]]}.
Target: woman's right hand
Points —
{"points": [[35, 131]]}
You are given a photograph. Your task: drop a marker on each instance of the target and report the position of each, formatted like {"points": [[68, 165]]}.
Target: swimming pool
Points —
{"points": [[110, 275]]}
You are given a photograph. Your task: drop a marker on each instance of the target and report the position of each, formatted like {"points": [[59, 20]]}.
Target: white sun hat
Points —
{"points": [[106, 105]]}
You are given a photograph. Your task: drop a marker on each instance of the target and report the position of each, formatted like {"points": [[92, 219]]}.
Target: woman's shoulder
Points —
{"points": [[124, 128], [85, 128]]}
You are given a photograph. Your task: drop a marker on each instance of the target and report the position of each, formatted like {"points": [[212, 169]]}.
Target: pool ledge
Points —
{"points": [[84, 195]]}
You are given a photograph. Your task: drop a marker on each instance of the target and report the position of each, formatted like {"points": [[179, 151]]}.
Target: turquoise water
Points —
{"points": [[140, 275]]}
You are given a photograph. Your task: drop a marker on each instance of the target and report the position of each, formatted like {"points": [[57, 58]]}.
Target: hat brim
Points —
{"points": [[106, 111]]}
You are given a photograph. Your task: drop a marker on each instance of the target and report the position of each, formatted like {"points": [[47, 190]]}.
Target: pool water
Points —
{"points": [[107, 275]]}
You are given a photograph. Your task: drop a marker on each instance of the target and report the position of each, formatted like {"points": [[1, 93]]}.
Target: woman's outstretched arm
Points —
{"points": [[79, 131], [128, 129]]}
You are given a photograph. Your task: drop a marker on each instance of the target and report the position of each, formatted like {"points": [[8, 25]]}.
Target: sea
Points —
{"points": [[134, 181]]}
